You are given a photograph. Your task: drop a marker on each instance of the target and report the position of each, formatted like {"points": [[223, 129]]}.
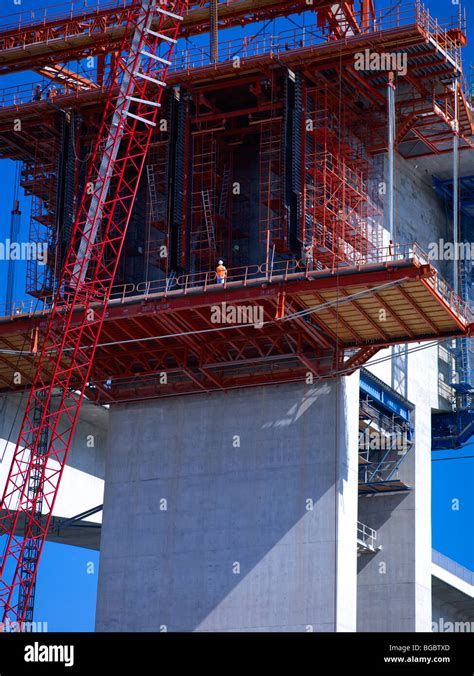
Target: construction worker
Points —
{"points": [[37, 94], [307, 257], [53, 92], [221, 272]]}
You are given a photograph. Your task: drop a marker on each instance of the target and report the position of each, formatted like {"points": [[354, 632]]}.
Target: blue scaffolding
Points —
{"points": [[383, 413]]}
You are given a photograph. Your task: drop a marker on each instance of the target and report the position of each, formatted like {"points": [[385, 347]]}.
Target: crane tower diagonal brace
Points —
{"points": [[67, 350]]}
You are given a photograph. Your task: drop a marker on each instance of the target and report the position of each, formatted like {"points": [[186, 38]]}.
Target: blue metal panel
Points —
{"points": [[385, 396]]}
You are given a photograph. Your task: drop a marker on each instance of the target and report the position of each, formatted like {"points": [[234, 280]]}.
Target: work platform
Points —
{"points": [[258, 328], [425, 111], [293, 100], [69, 32]]}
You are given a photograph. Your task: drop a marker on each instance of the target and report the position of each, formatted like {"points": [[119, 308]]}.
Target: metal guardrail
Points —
{"points": [[63, 12], [309, 36], [366, 537], [203, 282], [388, 426], [42, 15], [384, 18], [244, 48], [388, 470], [446, 391]]}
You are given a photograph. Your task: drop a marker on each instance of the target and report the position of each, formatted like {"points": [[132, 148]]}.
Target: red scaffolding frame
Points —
{"points": [[339, 218], [39, 180], [272, 221], [206, 239]]}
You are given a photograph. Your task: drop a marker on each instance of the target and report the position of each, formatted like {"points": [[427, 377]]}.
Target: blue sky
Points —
{"points": [[66, 589]]}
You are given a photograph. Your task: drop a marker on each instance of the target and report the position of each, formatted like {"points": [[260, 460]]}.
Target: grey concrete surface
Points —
{"points": [[238, 546], [394, 585]]}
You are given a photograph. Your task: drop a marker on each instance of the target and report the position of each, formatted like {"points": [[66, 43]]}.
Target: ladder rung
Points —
{"points": [[160, 35], [148, 103], [173, 16], [156, 58], [151, 79], [142, 119]]}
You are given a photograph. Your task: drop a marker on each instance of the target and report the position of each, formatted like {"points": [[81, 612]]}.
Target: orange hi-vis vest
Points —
{"points": [[221, 271]]}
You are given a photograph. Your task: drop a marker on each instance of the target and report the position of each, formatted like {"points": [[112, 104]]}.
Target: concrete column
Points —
{"points": [[234, 511], [394, 585]]}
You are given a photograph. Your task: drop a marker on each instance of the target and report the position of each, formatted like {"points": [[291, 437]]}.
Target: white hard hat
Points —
{"points": [[221, 262]]}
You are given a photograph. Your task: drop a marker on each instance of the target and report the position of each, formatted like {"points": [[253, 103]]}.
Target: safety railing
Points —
{"points": [[366, 537], [459, 306], [303, 37], [28, 93], [71, 10], [58, 12], [285, 270], [390, 430], [249, 46], [388, 470], [383, 19]]}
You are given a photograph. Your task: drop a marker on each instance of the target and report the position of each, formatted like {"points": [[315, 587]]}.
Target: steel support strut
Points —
{"points": [[67, 350]]}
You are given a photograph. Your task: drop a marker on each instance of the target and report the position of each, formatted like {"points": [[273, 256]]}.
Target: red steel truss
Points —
{"points": [[425, 109], [91, 262], [86, 31]]}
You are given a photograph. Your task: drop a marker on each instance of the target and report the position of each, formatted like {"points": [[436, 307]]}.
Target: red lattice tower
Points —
{"points": [[69, 342]]}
